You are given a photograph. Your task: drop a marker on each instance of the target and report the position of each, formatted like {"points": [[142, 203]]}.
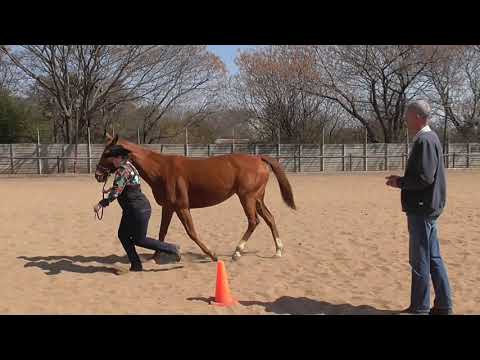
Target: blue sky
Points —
{"points": [[228, 53]]}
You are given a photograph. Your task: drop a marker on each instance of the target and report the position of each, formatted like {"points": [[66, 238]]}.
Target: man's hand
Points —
{"points": [[97, 208], [392, 181], [106, 191]]}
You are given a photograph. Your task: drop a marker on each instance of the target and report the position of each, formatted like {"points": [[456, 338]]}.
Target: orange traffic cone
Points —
{"points": [[222, 292]]}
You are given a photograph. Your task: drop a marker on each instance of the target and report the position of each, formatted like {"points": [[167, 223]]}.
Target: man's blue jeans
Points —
{"points": [[426, 261]]}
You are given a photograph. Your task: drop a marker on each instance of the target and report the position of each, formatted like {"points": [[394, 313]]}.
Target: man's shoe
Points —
{"points": [[434, 311], [409, 311]]}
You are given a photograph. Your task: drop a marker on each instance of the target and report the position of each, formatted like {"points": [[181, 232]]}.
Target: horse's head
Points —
{"points": [[106, 164]]}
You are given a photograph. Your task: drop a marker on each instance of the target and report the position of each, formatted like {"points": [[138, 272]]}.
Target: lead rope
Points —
{"points": [[100, 217]]}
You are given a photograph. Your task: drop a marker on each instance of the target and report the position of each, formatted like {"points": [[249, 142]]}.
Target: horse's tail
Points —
{"points": [[285, 187]]}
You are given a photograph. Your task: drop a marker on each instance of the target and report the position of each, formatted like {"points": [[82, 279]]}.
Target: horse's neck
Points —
{"points": [[140, 157]]}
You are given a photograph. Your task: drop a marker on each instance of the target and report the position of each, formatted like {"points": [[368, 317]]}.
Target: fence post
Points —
{"points": [[39, 163], [365, 162], [161, 148], [386, 157], [11, 158], [350, 162], [295, 158], [138, 135], [407, 146], [300, 151], [403, 161], [453, 160], [58, 165], [75, 159], [278, 152], [448, 155], [343, 157], [186, 141], [322, 164], [320, 156], [89, 152], [63, 157], [468, 155], [255, 149]]}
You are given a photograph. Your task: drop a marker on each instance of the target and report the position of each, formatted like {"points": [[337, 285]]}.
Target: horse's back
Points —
{"points": [[219, 177]]}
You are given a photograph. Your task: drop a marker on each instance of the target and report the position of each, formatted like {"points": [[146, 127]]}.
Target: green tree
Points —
{"points": [[19, 120]]}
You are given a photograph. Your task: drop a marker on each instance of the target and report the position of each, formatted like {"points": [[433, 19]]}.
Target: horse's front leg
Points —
{"points": [[186, 219]]}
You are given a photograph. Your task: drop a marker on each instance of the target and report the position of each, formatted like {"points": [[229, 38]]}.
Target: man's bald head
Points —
{"points": [[417, 114], [420, 108]]}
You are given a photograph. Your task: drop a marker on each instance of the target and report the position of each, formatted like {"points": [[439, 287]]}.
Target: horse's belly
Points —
{"points": [[206, 199]]}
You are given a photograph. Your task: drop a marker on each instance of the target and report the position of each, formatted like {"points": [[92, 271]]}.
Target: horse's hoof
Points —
{"points": [[278, 254], [236, 256]]}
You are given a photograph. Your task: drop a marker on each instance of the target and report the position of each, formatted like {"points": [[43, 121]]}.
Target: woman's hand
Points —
{"points": [[107, 191], [392, 181]]}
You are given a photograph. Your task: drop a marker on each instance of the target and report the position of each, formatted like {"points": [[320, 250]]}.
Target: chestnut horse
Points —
{"points": [[180, 183]]}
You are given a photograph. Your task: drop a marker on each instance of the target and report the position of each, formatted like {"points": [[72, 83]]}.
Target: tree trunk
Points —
{"points": [[66, 120]]}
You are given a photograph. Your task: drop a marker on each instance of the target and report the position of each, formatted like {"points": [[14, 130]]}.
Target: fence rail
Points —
{"points": [[61, 158], [449, 160]]}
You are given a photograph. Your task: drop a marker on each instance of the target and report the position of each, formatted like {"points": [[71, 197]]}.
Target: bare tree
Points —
{"points": [[371, 83], [455, 76], [189, 82], [265, 86], [9, 76], [88, 82]]}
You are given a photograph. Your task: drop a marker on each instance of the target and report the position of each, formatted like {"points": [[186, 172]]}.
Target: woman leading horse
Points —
{"points": [[180, 184], [135, 205]]}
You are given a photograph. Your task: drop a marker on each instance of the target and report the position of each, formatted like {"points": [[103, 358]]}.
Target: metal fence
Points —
{"points": [[59, 158]]}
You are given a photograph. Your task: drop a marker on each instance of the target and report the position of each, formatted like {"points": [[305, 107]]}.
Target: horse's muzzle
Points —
{"points": [[100, 177]]}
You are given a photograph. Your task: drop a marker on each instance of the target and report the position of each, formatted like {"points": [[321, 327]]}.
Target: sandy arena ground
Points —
{"points": [[346, 251]]}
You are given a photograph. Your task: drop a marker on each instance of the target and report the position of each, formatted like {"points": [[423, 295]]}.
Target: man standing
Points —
{"points": [[423, 197]]}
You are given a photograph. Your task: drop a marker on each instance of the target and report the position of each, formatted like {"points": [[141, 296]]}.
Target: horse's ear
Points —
{"points": [[115, 140], [108, 137]]}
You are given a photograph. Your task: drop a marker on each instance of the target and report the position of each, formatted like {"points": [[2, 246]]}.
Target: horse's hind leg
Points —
{"points": [[187, 221], [269, 219], [248, 203], [167, 213]]}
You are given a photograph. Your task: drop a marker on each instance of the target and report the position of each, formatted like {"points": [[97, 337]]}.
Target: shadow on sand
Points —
{"points": [[54, 265], [287, 305]]}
